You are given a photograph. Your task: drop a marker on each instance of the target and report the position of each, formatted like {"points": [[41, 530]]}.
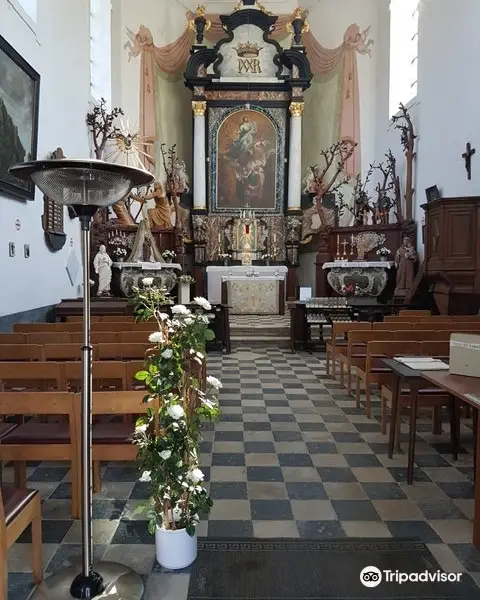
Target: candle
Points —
{"points": [[274, 237], [219, 237]]}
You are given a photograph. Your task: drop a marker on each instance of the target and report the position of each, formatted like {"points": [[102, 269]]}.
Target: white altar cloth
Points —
{"points": [[358, 264], [148, 266], [253, 295], [216, 273]]}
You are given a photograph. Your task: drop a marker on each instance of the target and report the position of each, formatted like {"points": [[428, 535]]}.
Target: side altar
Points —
{"points": [[359, 278], [130, 273]]}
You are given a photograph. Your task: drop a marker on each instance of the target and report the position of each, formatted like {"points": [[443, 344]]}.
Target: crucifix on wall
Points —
{"points": [[467, 157]]}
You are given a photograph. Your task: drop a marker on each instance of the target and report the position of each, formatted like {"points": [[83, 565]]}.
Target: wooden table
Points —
{"points": [[467, 390], [414, 380]]}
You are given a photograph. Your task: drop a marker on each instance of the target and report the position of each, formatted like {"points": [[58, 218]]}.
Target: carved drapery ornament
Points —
{"points": [[199, 108]]}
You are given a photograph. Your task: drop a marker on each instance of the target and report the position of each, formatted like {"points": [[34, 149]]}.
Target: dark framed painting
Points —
{"points": [[19, 98], [432, 193], [247, 166]]}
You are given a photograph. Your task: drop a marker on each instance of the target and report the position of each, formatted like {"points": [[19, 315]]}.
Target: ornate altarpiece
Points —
{"points": [[247, 102]]}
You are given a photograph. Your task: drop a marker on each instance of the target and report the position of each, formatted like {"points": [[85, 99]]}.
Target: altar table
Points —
{"points": [[131, 273], [254, 295], [216, 273]]}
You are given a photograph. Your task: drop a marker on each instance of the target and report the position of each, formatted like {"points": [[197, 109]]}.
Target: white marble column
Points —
{"points": [[295, 157], [199, 155]]}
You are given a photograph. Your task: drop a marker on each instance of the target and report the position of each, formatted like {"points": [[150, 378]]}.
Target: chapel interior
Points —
{"points": [[313, 175]]}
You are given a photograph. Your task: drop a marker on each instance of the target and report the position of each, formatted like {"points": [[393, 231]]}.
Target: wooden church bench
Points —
{"points": [[339, 341], [106, 375], [33, 440], [20, 352], [38, 376], [13, 338], [49, 337], [389, 325], [356, 351], [414, 313], [19, 508], [376, 373], [96, 337], [122, 351], [111, 440]]}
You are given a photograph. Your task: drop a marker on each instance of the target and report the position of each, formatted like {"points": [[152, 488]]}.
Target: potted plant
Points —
{"points": [[184, 283], [383, 253], [225, 257], [148, 298], [168, 255], [168, 436], [120, 253]]}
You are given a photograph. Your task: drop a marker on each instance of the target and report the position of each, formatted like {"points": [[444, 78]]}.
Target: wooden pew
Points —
{"points": [[415, 313], [20, 352], [339, 342], [19, 508], [355, 352], [42, 441], [106, 375], [376, 373], [110, 440]]}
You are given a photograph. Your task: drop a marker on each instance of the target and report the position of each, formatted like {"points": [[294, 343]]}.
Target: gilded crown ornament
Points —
{"points": [[248, 49], [241, 5]]}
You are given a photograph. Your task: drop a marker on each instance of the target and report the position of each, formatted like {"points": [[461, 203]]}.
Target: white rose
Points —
{"points": [[205, 304], [167, 353], [141, 428], [163, 316], [176, 411], [147, 281], [180, 309], [214, 382], [166, 454], [156, 337], [188, 321], [196, 475], [146, 477], [175, 425], [200, 355]]}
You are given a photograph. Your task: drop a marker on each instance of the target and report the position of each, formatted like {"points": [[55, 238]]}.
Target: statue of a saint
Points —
{"points": [[161, 215], [405, 259], [102, 264], [121, 212]]}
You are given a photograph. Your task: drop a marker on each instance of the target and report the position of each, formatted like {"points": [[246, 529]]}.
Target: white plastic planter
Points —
{"points": [[175, 549]]}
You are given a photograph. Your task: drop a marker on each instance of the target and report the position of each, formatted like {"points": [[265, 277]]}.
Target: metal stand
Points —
{"points": [[108, 580]]}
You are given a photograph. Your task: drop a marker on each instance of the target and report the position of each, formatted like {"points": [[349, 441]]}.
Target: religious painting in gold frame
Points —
{"points": [[247, 147]]}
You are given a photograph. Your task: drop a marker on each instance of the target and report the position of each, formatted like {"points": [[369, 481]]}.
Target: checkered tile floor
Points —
{"points": [[291, 457]]}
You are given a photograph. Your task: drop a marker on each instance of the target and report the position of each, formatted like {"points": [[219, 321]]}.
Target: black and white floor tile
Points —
{"points": [[291, 457]]}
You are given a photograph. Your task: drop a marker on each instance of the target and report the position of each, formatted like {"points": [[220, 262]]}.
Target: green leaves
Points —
{"points": [[141, 375], [209, 335]]}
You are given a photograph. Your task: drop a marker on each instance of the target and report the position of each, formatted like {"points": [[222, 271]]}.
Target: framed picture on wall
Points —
{"points": [[19, 95], [432, 193]]}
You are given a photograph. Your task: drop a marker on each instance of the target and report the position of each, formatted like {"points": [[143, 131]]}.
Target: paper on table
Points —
{"points": [[404, 359], [427, 366]]}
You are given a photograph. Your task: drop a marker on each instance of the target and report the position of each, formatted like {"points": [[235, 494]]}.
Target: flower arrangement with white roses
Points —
{"points": [[168, 254], [148, 298], [267, 256], [384, 251], [169, 435], [186, 279], [224, 256]]}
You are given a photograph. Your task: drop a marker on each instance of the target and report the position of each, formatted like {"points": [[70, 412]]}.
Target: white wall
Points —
{"points": [[57, 46], [166, 25], [446, 109]]}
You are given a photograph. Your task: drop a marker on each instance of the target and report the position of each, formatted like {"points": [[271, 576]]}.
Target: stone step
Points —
{"points": [[260, 342], [249, 332]]}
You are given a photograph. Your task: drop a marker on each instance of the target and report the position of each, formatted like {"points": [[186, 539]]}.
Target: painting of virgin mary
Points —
{"points": [[246, 164]]}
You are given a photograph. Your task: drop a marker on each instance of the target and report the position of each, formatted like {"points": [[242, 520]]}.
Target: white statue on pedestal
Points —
{"points": [[102, 264]]}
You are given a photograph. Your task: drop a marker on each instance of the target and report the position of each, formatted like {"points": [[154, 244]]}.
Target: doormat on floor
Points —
{"points": [[279, 569]]}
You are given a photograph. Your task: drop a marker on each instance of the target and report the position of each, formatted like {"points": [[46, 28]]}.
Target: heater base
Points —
{"points": [[121, 583]]}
